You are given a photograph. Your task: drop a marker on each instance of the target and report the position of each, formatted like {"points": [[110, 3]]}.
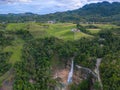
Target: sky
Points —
{"points": [[43, 6]]}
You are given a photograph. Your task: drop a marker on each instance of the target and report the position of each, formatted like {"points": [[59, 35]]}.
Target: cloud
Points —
{"points": [[43, 6], [13, 1]]}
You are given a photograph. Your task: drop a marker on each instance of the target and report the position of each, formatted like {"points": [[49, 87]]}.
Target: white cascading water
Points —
{"points": [[70, 73]]}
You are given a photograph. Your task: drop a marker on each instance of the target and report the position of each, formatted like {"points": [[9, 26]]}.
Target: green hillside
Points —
{"points": [[59, 30]]}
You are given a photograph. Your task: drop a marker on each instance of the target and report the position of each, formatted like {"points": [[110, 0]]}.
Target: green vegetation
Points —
{"points": [[33, 72], [110, 71], [38, 30], [93, 31], [3, 63], [11, 44], [5, 40], [16, 26], [32, 50], [64, 31], [84, 85], [16, 53]]}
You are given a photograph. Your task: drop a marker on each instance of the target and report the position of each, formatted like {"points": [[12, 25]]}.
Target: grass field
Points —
{"points": [[100, 27], [16, 53], [94, 31], [16, 49], [106, 26], [103, 26], [59, 30], [16, 26]]}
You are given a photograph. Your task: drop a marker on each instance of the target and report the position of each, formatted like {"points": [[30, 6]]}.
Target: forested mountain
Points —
{"points": [[95, 12]]}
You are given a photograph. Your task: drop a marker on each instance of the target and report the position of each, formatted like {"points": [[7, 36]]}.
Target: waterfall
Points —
{"points": [[70, 73]]}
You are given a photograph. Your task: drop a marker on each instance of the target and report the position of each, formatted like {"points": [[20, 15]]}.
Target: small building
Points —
{"points": [[51, 22], [75, 30]]}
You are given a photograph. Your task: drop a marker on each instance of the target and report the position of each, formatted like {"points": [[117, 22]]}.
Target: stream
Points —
{"points": [[87, 69], [98, 72]]}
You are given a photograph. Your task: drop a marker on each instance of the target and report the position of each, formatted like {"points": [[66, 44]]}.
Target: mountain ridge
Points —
{"points": [[94, 12]]}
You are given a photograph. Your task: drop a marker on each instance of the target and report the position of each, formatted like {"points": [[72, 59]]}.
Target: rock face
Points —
{"points": [[77, 76], [62, 75], [70, 74]]}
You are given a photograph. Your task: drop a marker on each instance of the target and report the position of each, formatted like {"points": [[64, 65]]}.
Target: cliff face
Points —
{"points": [[61, 74]]}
